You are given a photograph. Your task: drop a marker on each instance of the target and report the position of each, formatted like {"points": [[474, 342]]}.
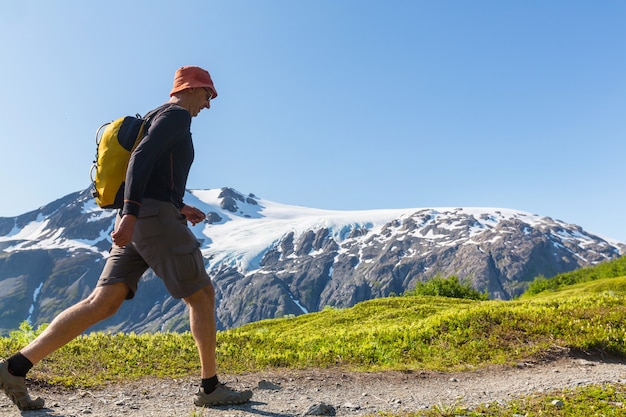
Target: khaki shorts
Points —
{"points": [[161, 241]]}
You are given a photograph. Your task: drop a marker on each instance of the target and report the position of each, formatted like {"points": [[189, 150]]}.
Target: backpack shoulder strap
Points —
{"points": [[147, 120], [153, 113]]}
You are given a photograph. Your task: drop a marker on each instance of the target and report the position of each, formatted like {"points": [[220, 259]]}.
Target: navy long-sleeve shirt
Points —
{"points": [[160, 164]]}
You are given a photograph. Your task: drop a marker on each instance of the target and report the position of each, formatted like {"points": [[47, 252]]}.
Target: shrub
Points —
{"points": [[447, 287]]}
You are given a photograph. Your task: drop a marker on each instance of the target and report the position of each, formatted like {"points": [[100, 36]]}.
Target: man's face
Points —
{"points": [[201, 100]]}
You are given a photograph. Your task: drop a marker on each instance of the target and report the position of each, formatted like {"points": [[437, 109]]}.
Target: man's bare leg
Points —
{"points": [[102, 303], [203, 328]]}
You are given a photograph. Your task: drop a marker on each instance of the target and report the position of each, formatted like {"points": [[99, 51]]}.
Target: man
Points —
{"points": [[150, 232]]}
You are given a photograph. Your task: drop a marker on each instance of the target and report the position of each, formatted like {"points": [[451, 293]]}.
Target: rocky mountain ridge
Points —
{"points": [[270, 260]]}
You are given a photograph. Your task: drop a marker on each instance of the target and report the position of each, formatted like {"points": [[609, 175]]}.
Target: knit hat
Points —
{"points": [[192, 77]]}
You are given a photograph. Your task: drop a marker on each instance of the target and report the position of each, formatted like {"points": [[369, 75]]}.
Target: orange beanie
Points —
{"points": [[192, 77]]}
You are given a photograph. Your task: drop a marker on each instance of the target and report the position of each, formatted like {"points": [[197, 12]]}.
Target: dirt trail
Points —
{"points": [[294, 393]]}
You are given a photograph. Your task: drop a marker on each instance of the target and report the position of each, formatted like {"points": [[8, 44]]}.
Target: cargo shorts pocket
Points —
{"points": [[188, 261], [148, 224]]}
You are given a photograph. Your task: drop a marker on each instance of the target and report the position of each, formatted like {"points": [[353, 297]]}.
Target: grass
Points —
{"points": [[430, 333], [411, 332], [594, 400]]}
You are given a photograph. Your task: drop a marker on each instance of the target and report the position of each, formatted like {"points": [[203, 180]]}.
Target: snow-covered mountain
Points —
{"points": [[269, 260]]}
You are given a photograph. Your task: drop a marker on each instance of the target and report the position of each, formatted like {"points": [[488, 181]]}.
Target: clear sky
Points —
{"points": [[334, 104]]}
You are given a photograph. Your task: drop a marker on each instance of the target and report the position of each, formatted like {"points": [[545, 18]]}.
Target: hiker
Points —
{"points": [[150, 232]]}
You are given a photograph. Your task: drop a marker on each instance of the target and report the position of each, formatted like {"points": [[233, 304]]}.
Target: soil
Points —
{"points": [[329, 392]]}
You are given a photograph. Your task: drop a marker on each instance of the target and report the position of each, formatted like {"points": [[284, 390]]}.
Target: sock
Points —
{"points": [[209, 384], [19, 365]]}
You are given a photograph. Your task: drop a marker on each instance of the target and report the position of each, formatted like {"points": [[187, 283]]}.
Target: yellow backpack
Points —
{"points": [[115, 142]]}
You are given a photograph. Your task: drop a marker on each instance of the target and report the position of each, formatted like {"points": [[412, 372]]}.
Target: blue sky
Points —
{"points": [[334, 104]]}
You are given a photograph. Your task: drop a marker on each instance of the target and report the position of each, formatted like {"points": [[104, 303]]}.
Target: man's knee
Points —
{"points": [[107, 299], [204, 296]]}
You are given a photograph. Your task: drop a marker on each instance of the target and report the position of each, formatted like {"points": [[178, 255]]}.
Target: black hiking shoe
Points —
{"points": [[221, 396], [15, 388]]}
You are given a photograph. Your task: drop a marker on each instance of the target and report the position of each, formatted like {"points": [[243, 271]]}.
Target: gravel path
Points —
{"points": [[296, 393]]}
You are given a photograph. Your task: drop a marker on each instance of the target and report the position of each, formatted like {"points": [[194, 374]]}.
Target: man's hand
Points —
{"points": [[124, 233], [192, 214]]}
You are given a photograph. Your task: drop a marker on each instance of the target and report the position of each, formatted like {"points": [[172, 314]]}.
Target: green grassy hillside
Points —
{"points": [[613, 269], [405, 332]]}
